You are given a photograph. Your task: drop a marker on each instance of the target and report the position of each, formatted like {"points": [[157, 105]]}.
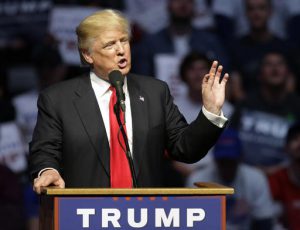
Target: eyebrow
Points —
{"points": [[109, 43], [113, 41]]}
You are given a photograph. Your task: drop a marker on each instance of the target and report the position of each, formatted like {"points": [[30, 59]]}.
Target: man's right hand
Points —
{"points": [[48, 177]]}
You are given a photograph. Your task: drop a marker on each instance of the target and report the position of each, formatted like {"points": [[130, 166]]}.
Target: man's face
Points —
{"points": [[274, 70], [111, 51], [195, 74], [258, 13]]}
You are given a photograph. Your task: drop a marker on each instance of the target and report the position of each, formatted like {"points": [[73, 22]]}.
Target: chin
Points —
{"points": [[125, 71]]}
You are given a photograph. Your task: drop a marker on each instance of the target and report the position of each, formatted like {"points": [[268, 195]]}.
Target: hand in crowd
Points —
{"points": [[213, 89], [48, 177]]}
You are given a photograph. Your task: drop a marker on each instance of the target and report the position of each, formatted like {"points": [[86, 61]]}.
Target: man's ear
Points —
{"points": [[87, 56]]}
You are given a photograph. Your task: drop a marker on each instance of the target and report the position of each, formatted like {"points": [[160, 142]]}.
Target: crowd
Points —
{"points": [[257, 42]]}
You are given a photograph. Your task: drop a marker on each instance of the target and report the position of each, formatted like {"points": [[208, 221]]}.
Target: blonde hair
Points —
{"points": [[94, 25]]}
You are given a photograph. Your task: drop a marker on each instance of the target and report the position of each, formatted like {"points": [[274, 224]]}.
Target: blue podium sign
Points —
{"points": [[134, 212]]}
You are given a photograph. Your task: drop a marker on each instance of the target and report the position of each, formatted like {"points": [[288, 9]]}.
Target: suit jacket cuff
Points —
{"points": [[218, 120]]}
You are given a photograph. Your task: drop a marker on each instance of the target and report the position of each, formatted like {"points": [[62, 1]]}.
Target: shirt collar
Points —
{"points": [[103, 86]]}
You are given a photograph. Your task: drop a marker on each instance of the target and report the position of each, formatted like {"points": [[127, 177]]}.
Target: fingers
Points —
{"points": [[212, 73], [215, 76], [213, 68], [218, 74], [225, 79], [47, 178]]}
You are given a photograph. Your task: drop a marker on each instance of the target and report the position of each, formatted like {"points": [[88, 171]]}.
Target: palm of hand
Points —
{"points": [[213, 89]]}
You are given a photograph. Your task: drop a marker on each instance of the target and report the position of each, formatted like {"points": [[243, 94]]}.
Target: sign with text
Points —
{"points": [[21, 19], [174, 212]]}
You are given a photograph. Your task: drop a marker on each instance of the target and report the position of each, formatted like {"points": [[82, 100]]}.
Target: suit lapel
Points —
{"points": [[138, 104], [90, 115]]}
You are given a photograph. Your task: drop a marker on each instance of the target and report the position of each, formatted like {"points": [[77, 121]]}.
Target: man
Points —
{"points": [[264, 117], [250, 48], [285, 182], [178, 38], [193, 68], [72, 144], [251, 205]]}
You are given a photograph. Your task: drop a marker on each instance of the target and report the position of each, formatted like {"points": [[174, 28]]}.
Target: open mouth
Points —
{"points": [[122, 63]]}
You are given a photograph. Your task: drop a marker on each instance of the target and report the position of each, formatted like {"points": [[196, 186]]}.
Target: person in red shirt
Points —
{"points": [[285, 183]]}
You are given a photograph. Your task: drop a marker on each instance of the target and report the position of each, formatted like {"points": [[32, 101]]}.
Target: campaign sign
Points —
{"points": [[173, 212]]}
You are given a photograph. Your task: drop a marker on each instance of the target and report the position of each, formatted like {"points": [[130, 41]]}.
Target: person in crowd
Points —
{"points": [[179, 37], [251, 206], [75, 140], [192, 69], [231, 19], [141, 13], [285, 182], [264, 117], [248, 50]]}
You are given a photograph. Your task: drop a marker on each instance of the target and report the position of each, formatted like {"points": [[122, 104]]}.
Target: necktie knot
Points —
{"points": [[111, 88]]}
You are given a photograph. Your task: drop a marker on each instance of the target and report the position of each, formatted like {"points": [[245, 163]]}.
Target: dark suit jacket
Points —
{"points": [[70, 135]]}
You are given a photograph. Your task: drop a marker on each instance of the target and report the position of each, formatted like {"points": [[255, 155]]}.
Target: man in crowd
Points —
{"points": [[75, 140], [250, 48], [193, 68], [264, 117], [178, 38]]}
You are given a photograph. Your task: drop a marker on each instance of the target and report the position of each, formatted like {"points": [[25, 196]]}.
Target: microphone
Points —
{"points": [[116, 79]]}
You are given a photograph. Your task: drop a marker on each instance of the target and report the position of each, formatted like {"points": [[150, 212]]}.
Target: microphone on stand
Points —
{"points": [[116, 79]]}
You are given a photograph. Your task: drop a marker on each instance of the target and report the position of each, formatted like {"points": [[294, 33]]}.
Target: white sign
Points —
{"points": [[63, 23], [167, 69]]}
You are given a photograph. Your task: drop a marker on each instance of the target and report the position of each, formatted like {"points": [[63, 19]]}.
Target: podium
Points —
{"points": [[203, 207]]}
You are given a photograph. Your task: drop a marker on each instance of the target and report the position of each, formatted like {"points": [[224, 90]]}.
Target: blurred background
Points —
{"points": [[257, 42]]}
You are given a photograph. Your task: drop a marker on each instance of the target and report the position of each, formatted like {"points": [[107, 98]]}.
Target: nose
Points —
{"points": [[119, 48]]}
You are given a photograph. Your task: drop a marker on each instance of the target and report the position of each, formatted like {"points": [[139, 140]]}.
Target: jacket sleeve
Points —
{"points": [[46, 145], [188, 143]]}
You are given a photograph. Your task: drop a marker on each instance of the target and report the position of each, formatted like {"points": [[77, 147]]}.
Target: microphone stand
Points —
{"points": [[128, 153]]}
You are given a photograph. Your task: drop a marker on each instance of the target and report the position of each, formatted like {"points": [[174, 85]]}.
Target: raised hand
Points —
{"points": [[213, 89]]}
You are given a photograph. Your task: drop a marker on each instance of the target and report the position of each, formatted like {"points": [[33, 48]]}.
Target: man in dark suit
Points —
{"points": [[71, 142]]}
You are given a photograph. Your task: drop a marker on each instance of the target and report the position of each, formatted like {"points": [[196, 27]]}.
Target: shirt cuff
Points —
{"points": [[218, 120], [45, 169]]}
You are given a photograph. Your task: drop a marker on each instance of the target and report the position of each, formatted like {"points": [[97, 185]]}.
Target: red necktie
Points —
{"points": [[120, 175]]}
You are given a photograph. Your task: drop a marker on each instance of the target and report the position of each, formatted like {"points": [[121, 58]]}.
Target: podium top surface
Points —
{"points": [[202, 189]]}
